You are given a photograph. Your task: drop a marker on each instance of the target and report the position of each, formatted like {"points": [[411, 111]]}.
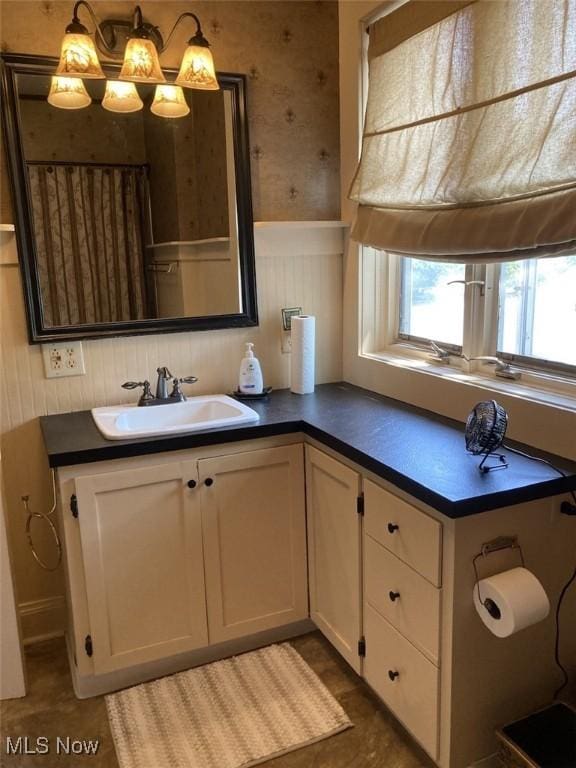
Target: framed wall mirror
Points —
{"points": [[129, 222]]}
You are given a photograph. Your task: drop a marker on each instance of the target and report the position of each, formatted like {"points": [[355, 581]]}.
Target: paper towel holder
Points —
{"points": [[488, 548]]}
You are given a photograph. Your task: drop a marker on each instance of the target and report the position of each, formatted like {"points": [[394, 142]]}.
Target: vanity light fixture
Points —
{"points": [[121, 97], [197, 68], [78, 56], [68, 93], [169, 101], [141, 64]]}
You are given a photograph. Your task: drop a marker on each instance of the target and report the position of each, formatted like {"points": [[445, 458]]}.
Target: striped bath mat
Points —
{"points": [[236, 712]]}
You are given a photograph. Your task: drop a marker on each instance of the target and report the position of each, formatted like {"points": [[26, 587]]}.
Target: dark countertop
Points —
{"points": [[416, 450]]}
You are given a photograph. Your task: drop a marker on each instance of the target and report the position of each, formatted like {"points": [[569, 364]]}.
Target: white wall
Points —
{"points": [[544, 426], [297, 264], [12, 684]]}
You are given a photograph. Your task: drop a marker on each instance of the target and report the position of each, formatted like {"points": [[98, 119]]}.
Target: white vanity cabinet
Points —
{"points": [[334, 542], [375, 565], [254, 524], [180, 558], [141, 538], [168, 554], [402, 580]]}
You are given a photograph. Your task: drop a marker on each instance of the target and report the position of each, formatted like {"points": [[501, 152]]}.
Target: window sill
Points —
{"points": [[492, 384]]}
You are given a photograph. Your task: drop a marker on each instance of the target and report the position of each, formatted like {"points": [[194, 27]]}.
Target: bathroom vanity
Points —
{"points": [[341, 510]]}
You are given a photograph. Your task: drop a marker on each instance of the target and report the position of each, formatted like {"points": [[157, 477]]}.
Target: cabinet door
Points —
{"points": [[334, 551], [254, 523], [141, 539]]}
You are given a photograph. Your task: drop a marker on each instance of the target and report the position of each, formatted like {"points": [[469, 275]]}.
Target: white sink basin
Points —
{"points": [[122, 422]]}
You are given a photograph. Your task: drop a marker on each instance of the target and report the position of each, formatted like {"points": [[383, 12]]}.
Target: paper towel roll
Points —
{"points": [[303, 353], [519, 598]]}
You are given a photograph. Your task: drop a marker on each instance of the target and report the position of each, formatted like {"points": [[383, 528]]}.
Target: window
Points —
{"points": [[537, 311], [468, 155], [430, 307], [522, 313]]}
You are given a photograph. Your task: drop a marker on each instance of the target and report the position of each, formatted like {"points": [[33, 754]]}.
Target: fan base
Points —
{"points": [[502, 463]]}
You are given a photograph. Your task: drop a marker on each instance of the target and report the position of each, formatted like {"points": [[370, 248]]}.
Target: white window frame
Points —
{"points": [[379, 315]]}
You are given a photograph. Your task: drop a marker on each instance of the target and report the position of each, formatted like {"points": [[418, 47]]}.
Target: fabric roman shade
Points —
{"points": [[469, 146]]}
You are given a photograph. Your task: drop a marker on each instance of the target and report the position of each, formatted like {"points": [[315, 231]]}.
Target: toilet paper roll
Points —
{"points": [[518, 600], [303, 354]]}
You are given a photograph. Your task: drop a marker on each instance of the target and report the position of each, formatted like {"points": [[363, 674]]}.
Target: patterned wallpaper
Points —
{"points": [[88, 135], [210, 158], [188, 189], [288, 50]]}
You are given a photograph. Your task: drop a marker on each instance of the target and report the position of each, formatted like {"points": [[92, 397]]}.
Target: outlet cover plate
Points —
{"points": [[63, 359], [287, 314]]}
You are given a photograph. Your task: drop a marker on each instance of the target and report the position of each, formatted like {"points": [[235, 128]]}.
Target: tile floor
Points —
{"points": [[51, 710]]}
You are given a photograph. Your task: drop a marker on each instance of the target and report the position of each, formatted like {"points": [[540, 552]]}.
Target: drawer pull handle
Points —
{"points": [[393, 596], [392, 674], [209, 481], [392, 527], [191, 483]]}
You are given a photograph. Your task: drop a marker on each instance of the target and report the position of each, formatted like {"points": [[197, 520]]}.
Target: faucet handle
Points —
{"points": [[134, 384], [146, 395], [177, 393]]}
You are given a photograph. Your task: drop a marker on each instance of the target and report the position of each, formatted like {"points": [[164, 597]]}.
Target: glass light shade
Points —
{"points": [[78, 57], [169, 101], [121, 97], [68, 93], [141, 63], [197, 69]]}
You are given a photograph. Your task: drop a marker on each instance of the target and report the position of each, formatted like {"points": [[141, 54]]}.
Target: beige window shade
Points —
{"points": [[469, 147]]}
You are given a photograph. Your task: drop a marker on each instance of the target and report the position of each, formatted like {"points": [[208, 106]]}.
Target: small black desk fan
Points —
{"points": [[485, 430]]}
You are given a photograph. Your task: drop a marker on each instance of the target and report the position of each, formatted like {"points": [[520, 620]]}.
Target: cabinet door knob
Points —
{"points": [[191, 483], [392, 674], [393, 595], [209, 481], [392, 527]]}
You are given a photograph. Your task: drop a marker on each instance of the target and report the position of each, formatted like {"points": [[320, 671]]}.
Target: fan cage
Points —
{"points": [[485, 429]]}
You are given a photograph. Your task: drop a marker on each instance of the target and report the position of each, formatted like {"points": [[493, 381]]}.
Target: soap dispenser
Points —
{"points": [[250, 380]]}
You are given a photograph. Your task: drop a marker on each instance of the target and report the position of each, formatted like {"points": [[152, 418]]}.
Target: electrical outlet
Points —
{"points": [[63, 359]]}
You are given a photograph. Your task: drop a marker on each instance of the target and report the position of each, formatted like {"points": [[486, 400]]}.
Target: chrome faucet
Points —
{"points": [[162, 396], [164, 376]]}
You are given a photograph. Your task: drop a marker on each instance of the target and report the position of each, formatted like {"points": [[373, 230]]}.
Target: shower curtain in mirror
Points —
{"points": [[88, 226]]}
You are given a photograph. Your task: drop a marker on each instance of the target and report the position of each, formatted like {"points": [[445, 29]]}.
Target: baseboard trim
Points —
{"points": [[42, 619], [492, 761]]}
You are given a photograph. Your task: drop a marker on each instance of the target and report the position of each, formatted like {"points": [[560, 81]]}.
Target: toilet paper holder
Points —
{"points": [[488, 548]]}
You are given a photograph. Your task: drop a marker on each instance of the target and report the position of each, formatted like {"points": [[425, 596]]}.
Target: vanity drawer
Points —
{"points": [[409, 602], [411, 535], [412, 694]]}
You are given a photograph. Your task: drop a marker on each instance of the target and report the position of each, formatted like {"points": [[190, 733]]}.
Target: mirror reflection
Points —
{"points": [[134, 213]]}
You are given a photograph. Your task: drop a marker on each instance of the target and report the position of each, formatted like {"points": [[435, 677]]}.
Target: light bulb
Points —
{"points": [[169, 101], [68, 93], [121, 97]]}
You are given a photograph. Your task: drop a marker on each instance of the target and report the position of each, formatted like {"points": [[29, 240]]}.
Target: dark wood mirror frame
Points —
{"points": [[23, 64]]}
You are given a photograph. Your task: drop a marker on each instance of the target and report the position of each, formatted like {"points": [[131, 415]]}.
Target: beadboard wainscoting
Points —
{"points": [[297, 264]]}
